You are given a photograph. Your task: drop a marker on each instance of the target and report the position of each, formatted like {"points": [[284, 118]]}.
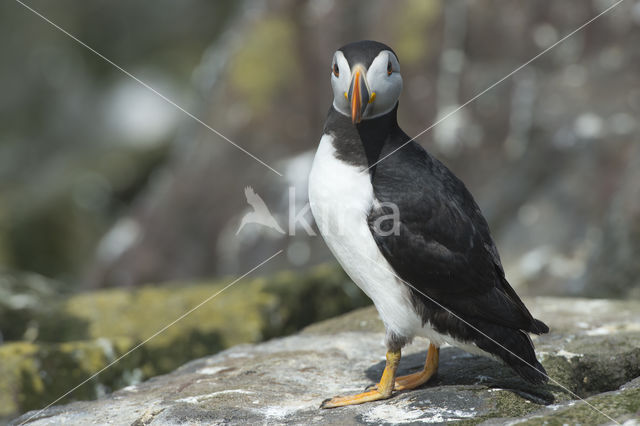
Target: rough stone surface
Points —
{"points": [[592, 352], [65, 341]]}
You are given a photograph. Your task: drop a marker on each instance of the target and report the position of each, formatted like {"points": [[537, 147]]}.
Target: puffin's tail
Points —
{"points": [[516, 349], [539, 327]]}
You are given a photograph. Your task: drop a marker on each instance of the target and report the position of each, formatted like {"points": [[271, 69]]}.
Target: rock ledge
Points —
{"points": [[592, 351]]}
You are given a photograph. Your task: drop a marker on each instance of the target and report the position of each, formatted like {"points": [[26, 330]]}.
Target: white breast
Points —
{"points": [[341, 197]]}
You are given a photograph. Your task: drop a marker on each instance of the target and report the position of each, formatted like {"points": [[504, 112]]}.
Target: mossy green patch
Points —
{"points": [[410, 29], [621, 406], [16, 364], [150, 311], [265, 62], [322, 293], [167, 326], [508, 404], [35, 375]]}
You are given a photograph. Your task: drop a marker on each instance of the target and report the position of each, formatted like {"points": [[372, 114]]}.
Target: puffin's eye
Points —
{"points": [[336, 71], [389, 68]]}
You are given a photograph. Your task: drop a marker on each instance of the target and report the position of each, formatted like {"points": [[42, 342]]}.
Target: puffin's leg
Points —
{"points": [[383, 391], [414, 380]]}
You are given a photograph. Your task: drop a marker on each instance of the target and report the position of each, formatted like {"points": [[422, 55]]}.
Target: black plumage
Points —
{"points": [[442, 247], [363, 52]]}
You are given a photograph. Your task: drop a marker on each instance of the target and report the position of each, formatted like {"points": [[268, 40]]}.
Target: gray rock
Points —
{"points": [[592, 353], [69, 338]]}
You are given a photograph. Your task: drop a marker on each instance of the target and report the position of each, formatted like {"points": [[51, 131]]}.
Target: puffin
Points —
{"points": [[409, 233]]}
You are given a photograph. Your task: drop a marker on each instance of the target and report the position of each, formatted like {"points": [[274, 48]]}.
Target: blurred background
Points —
{"points": [[119, 212]]}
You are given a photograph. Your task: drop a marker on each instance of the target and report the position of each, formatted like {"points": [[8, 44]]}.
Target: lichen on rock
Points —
{"points": [[79, 335], [284, 379]]}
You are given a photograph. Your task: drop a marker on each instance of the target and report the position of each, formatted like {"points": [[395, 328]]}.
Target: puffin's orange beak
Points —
{"points": [[358, 95]]}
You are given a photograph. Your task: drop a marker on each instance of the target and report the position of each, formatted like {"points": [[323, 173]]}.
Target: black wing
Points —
{"points": [[441, 244]]}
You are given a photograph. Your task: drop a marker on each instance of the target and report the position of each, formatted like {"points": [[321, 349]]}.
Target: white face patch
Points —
{"points": [[341, 83], [387, 87]]}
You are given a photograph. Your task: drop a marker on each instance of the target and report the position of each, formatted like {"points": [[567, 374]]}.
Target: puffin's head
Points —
{"points": [[366, 80]]}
